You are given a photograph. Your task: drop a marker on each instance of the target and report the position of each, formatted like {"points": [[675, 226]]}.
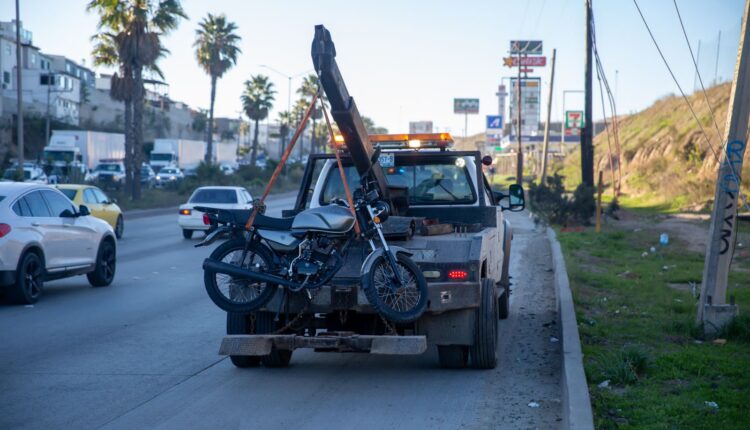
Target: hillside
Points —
{"points": [[665, 158]]}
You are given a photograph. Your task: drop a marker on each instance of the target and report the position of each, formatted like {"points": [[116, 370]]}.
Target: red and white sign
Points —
{"points": [[538, 61]]}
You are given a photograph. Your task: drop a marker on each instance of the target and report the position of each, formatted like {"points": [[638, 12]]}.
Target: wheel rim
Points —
{"points": [[119, 227], [33, 278], [108, 262], [241, 290], [401, 299]]}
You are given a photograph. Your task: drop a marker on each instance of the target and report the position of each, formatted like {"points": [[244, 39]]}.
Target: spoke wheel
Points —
{"points": [[400, 302]]}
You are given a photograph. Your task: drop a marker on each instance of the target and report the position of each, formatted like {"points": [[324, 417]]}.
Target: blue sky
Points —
{"points": [[406, 60]]}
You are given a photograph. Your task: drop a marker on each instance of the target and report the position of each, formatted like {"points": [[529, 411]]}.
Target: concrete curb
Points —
{"points": [[576, 404]]}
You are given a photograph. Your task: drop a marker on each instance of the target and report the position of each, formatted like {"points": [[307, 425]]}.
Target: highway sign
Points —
{"points": [[531, 89], [466, 106], [420, 127], [529, 47], [540, 61], [574, 119], [494, 124]]}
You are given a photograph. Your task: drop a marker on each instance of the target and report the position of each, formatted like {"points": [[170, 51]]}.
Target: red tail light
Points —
{"points": [[206, 220], [458, 275], [4, 230]]}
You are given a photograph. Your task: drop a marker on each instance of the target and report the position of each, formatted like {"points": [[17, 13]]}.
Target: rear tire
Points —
{"points": [[453, 356], [240, 324], [29, 280], [187, 234], [484, 351], [265, 324], [119, 227], [106, 265]]}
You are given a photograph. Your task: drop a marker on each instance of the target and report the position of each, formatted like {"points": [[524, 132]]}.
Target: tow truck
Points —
{"points": [[443, 211]]}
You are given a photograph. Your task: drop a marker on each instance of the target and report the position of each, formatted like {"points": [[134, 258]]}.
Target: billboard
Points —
{"points": [[531, 93], [420, 127], [466, 106], [525, 61], [526, 47]]}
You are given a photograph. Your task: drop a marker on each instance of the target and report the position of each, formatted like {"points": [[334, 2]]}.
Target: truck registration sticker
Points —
{"points": [[386, 160]]}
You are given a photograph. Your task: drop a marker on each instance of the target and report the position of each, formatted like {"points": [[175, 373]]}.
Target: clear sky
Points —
{"points": [[406, 60]]}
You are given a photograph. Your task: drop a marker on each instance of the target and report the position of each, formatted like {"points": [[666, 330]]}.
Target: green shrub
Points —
{"points": [[551, 203], [622, 367]]}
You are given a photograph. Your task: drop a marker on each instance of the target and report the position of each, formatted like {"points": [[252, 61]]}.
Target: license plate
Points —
{"points": [[386, 160]]}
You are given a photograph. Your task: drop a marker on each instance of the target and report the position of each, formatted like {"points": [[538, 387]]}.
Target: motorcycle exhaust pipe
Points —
{"points": [[239, 272]]}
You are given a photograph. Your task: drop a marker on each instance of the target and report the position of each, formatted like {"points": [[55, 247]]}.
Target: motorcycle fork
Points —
{"points": [[389, 254]]}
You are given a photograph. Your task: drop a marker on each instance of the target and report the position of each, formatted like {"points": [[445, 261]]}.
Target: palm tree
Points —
{"points": [[257, 99], [307, 90], [216, 51], [298, 112], [132, 30], [285, 124]]}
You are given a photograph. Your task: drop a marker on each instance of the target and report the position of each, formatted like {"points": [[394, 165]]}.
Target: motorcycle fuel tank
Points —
{"points": [[329, 219]]}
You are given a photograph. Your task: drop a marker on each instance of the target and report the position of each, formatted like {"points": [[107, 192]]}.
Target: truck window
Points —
{"points": [[430, 181]]}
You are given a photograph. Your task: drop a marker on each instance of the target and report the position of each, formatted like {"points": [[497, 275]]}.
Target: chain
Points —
{"points": [[299, 315], [391, 330]]}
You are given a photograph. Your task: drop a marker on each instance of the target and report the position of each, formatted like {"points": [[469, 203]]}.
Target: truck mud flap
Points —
{"points": [[261, 344]]}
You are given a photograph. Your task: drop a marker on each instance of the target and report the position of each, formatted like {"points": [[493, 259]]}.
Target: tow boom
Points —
{"points": [[343, 108]]}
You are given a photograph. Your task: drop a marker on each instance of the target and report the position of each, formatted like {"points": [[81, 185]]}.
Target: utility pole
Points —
{"points": [[549, 117], [713, 311], [587, 146], [19, 92], [519, 156]]}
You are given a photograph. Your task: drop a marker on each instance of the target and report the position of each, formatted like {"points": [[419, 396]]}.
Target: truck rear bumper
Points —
{"points": [[443, 297], [261, 344]]}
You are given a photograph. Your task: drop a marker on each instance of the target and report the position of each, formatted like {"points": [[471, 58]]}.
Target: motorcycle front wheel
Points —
{"points": [[403, 303], [240, 295]]}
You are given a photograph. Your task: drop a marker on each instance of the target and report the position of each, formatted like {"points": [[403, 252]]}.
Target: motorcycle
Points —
{"points": [[302, 253]]}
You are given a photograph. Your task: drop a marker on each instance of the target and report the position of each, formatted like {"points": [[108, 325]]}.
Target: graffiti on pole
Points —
{"points": [[730, 185]]}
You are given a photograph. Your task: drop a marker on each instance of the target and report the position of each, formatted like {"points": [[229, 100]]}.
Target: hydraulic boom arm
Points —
{"points": [[343, 108]]}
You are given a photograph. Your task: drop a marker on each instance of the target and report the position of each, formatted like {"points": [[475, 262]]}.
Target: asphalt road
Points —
{"points": [[143, 354]]}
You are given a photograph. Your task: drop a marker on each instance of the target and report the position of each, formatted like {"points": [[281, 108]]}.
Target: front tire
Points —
{"points": [[240, 324], [187, 234], [404, 304], [106, 265], [29, 280], [239, 295], [119, 227]]}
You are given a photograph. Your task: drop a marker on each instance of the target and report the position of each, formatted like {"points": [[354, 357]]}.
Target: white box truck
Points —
{"points": [[82, 148], [180, 152]]}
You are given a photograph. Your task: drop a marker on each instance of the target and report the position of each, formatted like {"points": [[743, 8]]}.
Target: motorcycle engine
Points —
{"points": [[313, 255]]}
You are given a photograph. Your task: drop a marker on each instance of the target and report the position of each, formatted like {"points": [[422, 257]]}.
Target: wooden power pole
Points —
{"points": [[713, 310], [587, 145], [519, 112], [549, 117]]}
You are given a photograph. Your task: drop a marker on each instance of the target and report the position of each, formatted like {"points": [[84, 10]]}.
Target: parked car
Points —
{"points": [[31, 173], [148, 177], [227, 169], [216, 197], [109, 174], [169, 176], [99, 204], [190, 171], [44, 237]]}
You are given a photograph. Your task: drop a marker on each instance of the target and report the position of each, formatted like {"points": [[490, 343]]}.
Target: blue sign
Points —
{"points": [[494, 123]]}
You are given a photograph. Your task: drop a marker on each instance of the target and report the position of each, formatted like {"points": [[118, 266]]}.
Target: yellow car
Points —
{"points": [[98, 203]]}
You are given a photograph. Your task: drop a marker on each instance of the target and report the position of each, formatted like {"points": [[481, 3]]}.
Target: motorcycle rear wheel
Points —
{"points": [[234, 294], [401, 305]]}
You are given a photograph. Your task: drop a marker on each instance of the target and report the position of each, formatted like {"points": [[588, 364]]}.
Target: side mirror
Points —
{"points": [[83, 210], [516, 198]]}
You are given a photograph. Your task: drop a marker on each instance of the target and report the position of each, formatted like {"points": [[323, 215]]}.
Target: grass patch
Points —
{"points": [[637, 329]]}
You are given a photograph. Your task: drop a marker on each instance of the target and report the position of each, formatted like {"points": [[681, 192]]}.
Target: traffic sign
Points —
{"points": [[466, 106], [525, 61], [530, 47], [494, 124], [574, 119]]}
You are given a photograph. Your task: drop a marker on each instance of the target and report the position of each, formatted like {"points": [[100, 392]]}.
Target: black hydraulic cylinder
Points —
{"points": [[343, 108]]}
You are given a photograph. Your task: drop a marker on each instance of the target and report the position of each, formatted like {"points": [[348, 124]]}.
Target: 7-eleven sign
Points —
{"points": [[574, 119]]}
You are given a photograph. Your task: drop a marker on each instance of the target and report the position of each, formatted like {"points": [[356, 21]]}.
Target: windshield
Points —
{"points": [[11, 174], [161, 157], [430, 182], [109, 168], [71, 194], [66, 156], [214, 195]]}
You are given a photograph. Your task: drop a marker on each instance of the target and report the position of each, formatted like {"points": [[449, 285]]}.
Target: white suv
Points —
{"points": [[44, 237]]}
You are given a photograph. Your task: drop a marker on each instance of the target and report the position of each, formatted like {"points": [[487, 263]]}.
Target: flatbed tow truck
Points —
{"points": [[444, 213]]}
